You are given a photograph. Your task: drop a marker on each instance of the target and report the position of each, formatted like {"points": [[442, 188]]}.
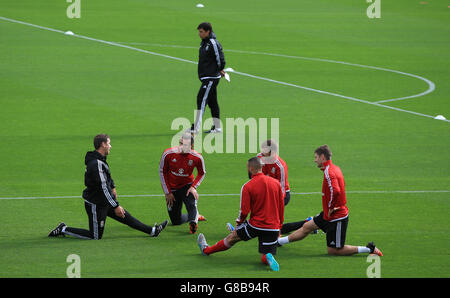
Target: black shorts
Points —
{"points": [[268, 239], [336, 230]]}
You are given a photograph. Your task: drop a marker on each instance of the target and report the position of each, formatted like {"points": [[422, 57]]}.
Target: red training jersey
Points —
{"points": [[263, 198], [175, 169], [333, 192], [277, 169]]}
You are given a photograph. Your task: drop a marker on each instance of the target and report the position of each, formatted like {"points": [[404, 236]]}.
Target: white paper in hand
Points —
{"points": [[227, 77]]}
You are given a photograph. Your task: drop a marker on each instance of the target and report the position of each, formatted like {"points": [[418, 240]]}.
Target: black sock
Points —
{"points": [[292, 226]]}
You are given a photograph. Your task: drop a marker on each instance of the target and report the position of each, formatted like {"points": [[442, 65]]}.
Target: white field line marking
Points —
{"points": [[431, 85], [236, 194], [98, 40], [241, 73]]}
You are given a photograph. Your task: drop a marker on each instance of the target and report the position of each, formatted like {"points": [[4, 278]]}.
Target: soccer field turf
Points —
{"points": [[58, 91]]}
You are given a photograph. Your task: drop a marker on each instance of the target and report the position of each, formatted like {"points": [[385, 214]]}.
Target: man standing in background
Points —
{"points": [[211, 62]]}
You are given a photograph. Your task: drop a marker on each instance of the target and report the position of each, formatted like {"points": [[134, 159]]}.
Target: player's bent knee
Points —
{"points": [[233, 238]]}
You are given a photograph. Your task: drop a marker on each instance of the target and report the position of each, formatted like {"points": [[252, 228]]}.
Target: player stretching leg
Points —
{"points": [[275, 167], [333, 220], [175, 169], [100, 198], [262, 197]]}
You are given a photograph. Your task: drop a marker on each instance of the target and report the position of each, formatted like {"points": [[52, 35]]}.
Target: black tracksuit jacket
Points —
{"points": [[210, 58], [98, 181]]}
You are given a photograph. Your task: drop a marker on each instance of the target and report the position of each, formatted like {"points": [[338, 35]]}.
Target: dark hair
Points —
{"points": [[205, 26], [99, 139], [325, 150], [255, 163]]}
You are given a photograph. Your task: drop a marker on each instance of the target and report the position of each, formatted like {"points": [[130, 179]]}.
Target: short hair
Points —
{"points": [[255, 163], [325, 150], [186, 136], [269, 146], [205, 26], [99, 139]]}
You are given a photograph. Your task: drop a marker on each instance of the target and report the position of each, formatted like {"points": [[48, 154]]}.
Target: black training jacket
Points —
{"points": [[98, 181], [210, 58]]}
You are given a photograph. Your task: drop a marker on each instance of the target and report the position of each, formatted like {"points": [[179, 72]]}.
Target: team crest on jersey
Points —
{"points": [[274, 170], [190, 162]]}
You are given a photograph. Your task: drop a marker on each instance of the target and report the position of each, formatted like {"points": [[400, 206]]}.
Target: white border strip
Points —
{"points": [[236, 194], [240, 73]]}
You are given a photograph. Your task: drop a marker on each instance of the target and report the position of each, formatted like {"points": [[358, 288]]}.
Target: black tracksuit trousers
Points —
{"points": [[97, 219]]}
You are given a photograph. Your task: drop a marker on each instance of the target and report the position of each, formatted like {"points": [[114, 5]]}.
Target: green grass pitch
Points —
{"points": [[58, 91]]}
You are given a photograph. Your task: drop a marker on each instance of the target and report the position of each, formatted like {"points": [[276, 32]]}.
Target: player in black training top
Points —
{"points": [[211, 63], [100, 198]]}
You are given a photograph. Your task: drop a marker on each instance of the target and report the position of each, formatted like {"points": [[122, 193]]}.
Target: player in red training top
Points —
{"points": [[262, 198], [178, 183], [333, 220], [275, 167]]}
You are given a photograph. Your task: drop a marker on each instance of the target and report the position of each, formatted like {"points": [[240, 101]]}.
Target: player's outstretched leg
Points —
{"points": [[207, 250], [293, 226], [348, 250], [134, 223], [221, 245], [307, 228]]}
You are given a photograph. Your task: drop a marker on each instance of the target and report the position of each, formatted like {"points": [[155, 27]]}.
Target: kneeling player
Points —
{"points": [[100, 198], [275, 167], [262, 197], [175, 169]]}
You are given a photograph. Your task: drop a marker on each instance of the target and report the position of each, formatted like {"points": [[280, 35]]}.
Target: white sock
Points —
{"points": [[283, 240], [362, 249], [153, 231], [225, 242]]}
